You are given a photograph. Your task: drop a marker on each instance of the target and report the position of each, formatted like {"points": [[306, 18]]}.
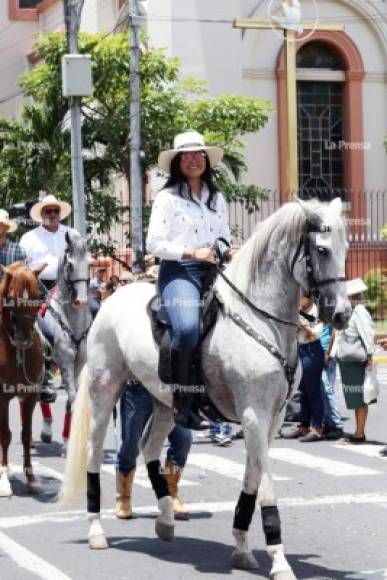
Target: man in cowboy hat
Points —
{"points": [[10, 252], [47, 243]]}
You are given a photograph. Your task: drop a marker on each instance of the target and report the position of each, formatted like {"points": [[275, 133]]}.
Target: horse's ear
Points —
{"points": [[6, 279], [68, 239], [337, 205], [311, 216], [39, 269]]}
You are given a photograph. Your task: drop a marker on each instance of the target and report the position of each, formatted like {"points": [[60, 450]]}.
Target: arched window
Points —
{"points": [[320, 122]]}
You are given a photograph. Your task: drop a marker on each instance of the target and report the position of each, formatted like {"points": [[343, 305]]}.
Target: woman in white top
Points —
{"points": [[353, 373], [188, 215]]}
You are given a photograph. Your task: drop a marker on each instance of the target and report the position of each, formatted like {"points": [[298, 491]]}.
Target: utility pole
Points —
{"points": [[136, 178], [72, 16]]}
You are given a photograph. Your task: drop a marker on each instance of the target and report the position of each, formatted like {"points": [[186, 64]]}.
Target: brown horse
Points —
{"points": [[21, 361]]}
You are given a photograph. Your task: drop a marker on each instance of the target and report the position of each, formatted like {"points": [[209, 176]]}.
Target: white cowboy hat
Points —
{"points": [[185, 142], [49, 200], [4, 219], [355, 286]]}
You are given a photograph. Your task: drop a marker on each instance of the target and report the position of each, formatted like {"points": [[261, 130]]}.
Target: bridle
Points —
{"points": [[70, 283], [314, 285]]}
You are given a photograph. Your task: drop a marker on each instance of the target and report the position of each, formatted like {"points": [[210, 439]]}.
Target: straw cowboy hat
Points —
{"points": [[355, 286], [185, 142], [49, 201], [4, 219]]}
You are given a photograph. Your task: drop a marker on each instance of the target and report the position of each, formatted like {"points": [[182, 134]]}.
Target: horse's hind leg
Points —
{"points": [[5, 437], [26, 436], [104, 394], [159, 428]]}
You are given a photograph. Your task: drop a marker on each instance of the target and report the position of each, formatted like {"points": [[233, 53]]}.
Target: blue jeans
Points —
{"points": [[312, 406], [136, 408], [180, 285], [332, 416]]}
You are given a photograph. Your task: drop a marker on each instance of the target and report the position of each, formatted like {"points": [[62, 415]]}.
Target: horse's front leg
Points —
{"points": [[160, 426], [26, 436], [242, 556], [5, 439], [68, 382]]}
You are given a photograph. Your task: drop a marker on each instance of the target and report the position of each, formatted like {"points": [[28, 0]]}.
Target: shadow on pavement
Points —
{"points": [[210, 557]]}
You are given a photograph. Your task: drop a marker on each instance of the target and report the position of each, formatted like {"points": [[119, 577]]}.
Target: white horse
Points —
{"points": [[250, 363], [69, 318]]}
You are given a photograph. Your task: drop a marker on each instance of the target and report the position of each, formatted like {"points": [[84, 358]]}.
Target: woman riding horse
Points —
{"points": [[188, 215]]}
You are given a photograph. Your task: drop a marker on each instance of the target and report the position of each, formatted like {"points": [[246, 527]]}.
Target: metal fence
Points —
{"points": [[365, 214]]}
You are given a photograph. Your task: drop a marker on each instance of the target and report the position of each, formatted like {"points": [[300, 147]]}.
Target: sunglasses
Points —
{"points": [[193, 155], [49, 210]]}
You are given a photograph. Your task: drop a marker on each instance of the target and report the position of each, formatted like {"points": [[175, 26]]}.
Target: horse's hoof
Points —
{"points": [[63, 452], [244, 561], [5, 487], [284, 575], [46, 437], [165, 532], [98, 542]]}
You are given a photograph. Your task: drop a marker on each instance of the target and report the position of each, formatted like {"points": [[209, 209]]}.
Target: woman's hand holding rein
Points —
{"points": [[200, 255]]}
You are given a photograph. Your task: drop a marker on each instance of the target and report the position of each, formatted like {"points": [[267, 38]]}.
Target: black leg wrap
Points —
{"points": [[93, 493], [157, 479], [244, 511], [271, 525]]}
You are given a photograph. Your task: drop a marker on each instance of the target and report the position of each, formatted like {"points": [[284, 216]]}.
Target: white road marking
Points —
{"points": [[370, 450], [221, 466], [141, 476], [30, 561], [212, 507], [360, 575], [322, 464]]}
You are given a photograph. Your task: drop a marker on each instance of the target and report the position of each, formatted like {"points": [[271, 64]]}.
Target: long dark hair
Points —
{"points": [[178, 180]]}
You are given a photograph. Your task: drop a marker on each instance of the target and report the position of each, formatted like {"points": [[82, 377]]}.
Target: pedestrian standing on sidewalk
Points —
{"points": [[361, 330], [383, 344], [312, 361], [333, 426]]}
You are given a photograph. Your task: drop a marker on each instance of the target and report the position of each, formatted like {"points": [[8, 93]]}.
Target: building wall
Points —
{"points": [[17, 40], [244, 63]]}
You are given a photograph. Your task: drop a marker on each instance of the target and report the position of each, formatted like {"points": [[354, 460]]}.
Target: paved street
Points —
{"points": [[333, 500]]}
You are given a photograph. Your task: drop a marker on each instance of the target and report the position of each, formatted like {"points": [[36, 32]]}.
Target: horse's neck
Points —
{"points": [[77, 320], [275, 289]]}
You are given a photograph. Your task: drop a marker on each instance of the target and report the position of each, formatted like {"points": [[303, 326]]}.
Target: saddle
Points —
{"points": [[161, 329]]}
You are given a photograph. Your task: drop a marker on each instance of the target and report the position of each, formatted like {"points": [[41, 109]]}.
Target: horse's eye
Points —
{"points": [[322, 251]]}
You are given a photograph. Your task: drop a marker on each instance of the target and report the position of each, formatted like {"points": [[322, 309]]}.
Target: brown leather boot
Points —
{"points": [[124, 484], [173, 474]]}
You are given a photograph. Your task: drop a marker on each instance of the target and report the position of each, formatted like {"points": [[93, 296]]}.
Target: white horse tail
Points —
{"points": [[74, 483]]}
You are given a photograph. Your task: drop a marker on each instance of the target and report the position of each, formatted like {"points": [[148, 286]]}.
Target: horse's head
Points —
{"points": [[321, 267], [19, 296], [73, 273]]}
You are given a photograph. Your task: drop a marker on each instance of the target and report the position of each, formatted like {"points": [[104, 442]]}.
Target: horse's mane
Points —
{"points": [[23, 279], [289, 222]]}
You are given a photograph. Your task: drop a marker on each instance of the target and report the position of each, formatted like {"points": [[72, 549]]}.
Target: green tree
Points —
{"points": [[35, 150]]}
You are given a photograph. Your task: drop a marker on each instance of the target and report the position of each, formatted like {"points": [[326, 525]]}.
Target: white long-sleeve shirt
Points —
{"points": [[178, 223], [42, 246]]}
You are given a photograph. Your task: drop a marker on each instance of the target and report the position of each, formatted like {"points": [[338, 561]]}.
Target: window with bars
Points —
{"points": [[29, 3], [320, 126]]}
